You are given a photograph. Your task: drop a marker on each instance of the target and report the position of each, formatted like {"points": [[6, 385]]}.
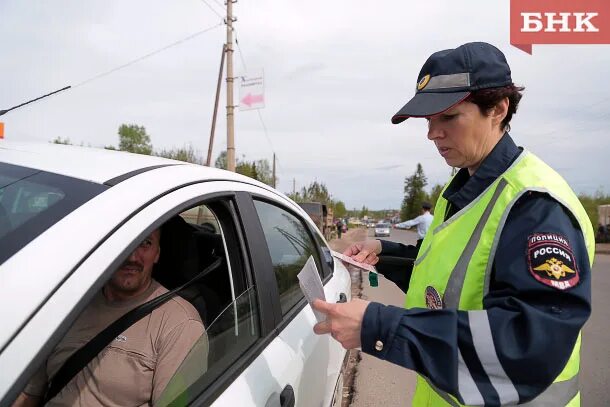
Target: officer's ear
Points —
{"points": [[499, 112]]}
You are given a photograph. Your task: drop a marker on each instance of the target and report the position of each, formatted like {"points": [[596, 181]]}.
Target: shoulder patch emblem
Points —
{"points": [[433, 298], [551, 260]]}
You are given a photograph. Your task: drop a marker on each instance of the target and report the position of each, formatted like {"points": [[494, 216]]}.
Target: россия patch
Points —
{"points": [[551, 260]]}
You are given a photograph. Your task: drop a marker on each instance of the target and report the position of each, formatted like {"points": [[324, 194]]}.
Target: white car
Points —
{"points": [[70, 215], [382, 229]]}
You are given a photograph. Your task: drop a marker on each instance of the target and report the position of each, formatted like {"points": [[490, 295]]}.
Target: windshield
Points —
{"points": [[383, 225], [31, 201]]}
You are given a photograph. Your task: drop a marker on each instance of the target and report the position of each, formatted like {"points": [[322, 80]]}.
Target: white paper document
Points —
{"points": [[349, 260], [311, 285]]}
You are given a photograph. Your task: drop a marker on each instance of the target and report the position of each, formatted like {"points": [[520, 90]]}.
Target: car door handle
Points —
{"points": [[342, 297], [287, 397]]}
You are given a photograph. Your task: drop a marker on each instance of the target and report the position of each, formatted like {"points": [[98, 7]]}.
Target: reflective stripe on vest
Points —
{"points": [[456, 280], [461, 252], [557, 394]]}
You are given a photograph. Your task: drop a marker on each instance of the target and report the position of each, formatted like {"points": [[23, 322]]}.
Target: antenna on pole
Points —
{"points": [[2, 112]]}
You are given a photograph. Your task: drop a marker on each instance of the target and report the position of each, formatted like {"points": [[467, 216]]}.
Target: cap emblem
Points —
{"points": [[423, 82]]}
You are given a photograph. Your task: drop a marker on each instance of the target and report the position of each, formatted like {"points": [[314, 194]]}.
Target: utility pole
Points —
{"points": [[273, 170], [230, 108], [211, 144]]}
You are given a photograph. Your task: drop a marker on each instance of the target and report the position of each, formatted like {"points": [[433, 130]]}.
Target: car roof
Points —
{"points": [[91, 164]]}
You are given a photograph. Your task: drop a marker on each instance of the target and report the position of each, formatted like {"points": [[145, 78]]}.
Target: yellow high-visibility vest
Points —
{"points": [[455, 261]]}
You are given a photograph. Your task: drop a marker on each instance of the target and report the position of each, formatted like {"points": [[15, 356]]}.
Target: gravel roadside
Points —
{"points": [[354, 357]]}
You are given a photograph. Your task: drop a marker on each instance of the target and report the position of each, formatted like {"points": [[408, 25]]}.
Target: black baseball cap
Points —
{"points": [[450, 76]]}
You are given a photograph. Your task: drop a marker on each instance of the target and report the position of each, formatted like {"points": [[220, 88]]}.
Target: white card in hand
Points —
{"points": [[347, 259], [311, 285]]}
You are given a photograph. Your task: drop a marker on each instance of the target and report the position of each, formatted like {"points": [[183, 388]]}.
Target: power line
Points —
{"points": [[219, 4], [258, 111], [106, 73], [265, 129], [243, 62], [260, 116], [150, 54], [278, 164], [213, 9], [241, 54]]}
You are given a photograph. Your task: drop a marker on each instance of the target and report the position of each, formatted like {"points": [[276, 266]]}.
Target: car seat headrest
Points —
{"points": [[179, 258]]}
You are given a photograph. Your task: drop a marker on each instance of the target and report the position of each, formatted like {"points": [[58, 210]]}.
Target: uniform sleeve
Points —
{"points": [[514, 348], [413, 222], [392, 266], [396, 249], [173, 349]]}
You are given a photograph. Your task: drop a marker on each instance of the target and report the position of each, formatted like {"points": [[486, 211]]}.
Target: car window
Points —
{"points": [[290, 245], [203, 216], [31, 201], [229, 307], [228, 336], [174, 353]]}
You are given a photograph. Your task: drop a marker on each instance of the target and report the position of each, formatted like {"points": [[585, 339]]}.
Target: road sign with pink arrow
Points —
{"points": [[251, 92]]}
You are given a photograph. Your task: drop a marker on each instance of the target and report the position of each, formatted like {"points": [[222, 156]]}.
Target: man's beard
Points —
{"points": [[131, 280]]}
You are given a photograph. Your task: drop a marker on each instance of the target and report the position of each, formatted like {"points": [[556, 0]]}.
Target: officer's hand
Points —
{"points": [[343, 321], [365, 252]]}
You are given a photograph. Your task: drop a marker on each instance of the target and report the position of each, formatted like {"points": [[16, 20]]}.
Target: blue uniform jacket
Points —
{"points": [[533, 325]]}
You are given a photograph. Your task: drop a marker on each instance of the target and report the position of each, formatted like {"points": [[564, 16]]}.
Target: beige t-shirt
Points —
{"points": [[133, 369]]}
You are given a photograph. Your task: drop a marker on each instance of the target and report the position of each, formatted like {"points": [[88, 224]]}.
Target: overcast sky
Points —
{"points": [[335, 72]]}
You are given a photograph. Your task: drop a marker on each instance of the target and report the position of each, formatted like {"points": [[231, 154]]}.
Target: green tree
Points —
{"points": [[591, 203], [434, 194], [59, 140], [295, 196], [246, 168], [186, 153], [133, 138], [339, 211], [414, 194], [316, 192], [221, 160], [259, 169], [265, 172], [363, 212]]}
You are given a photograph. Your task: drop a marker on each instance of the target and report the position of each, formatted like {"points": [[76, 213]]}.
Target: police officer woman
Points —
{"points": [[501, 287]]}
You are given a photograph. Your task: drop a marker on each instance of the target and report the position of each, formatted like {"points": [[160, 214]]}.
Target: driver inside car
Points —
{"points": [[135, 368]]}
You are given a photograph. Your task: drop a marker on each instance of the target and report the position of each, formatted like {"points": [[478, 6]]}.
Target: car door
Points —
{"points": [[28, 350], [291, 238], [265, 353], [291, 365]]}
